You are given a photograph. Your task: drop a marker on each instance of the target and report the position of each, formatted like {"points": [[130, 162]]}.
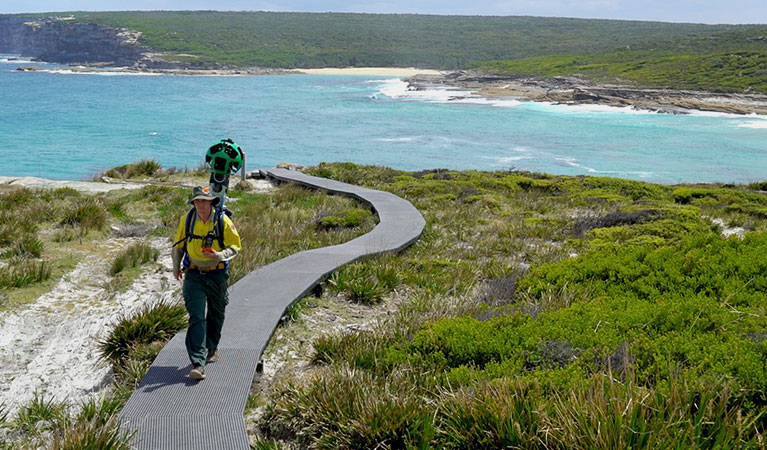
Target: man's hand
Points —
{"points": [[210, 253], [177, 274]]}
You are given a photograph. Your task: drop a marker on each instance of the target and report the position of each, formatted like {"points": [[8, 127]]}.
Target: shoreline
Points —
{"points": [[574, 91], [494, 86], [369, 71], [489, 85]]}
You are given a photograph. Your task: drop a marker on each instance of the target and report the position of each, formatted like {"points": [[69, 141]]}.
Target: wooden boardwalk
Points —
{"points": [[170, 411]]}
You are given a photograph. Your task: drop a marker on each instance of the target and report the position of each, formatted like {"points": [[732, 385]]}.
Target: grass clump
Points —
{"points": [[93, 435], [133, 256], [569, 312], [362, 283], [41, 414], [146, 167], [348, 219], [87, 214], [46, 423], [158, 322], [21, 272]]}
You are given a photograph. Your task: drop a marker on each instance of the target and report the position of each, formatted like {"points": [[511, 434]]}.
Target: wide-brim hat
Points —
{"points": [[203, 193]]}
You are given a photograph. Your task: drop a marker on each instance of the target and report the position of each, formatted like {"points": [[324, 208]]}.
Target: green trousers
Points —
{"points": [[203, 290]]}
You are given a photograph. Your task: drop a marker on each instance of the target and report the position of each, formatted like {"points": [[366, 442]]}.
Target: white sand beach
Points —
{"points": [[385, 71]]}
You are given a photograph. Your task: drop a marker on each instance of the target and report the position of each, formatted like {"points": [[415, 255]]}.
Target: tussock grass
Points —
{"points": [[41, 414], [93, 435], [26, 246], [347, 219], [47, 423], [282, 223], [21, 272], [146, 167], [133, 256], [158, 322], [548, 313], [87, 214]]}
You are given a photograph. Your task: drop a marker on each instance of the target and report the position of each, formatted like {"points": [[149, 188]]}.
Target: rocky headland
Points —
{"points": [[92, 47], [572, 90]]}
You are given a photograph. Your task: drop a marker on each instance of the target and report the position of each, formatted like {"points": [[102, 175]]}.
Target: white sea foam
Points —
{"points": [[510, 159], [581, 108], [397, 89], [572, 162], [106, 73], [399, 139], [756, 124]]}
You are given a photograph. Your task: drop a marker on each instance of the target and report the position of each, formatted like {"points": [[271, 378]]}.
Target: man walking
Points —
{"points": [[206, 240]]}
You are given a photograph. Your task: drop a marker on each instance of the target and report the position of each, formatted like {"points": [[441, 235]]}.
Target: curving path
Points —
{"points": [[170, 411]]}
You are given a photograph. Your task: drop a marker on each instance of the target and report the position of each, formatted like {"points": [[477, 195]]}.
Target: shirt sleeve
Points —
{"points": [[180, 232], [177, 252], [231, 240]]}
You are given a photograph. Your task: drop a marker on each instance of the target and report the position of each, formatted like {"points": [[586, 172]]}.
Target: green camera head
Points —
{"points": [[224, 158]]}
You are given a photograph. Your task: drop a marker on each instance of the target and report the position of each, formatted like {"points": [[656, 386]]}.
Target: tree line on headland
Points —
{"points": [[728, 58]]}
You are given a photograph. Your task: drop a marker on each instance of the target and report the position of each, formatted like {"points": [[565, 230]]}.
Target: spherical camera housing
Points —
{"points": [[224, 158]]}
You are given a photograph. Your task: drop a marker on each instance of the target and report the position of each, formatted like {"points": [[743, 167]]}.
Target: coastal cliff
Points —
{"points": [[61, 40]]}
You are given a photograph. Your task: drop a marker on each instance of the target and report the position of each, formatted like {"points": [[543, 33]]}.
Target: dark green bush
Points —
{"points": [[348, 219]]}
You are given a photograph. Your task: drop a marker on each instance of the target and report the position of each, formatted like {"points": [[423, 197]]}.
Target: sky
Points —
{"points": [[693, 11]]}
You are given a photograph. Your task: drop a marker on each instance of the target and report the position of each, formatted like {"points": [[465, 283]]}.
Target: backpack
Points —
{"points": [[218, 230]]}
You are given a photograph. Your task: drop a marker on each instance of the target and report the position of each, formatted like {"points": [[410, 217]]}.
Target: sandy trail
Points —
{"points": [[50, 346]]}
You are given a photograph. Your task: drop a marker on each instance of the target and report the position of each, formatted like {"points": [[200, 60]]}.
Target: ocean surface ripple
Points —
{"points": [[61, 125]]}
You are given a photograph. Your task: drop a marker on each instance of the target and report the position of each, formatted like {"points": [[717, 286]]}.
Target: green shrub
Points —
{"points": [[133, 256], [348, 219], [158, 322]]}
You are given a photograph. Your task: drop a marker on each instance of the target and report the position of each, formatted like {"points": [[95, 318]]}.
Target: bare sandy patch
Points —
{"points": [[83, 186], [51, 346]]}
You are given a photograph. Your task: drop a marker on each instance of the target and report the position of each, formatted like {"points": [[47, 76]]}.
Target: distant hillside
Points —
{"points": [[303, 40], [726, 58], [731, 61]]}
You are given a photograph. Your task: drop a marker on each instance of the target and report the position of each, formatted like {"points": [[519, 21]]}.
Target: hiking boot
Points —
{"points": [[212, 356], [197, 373]]}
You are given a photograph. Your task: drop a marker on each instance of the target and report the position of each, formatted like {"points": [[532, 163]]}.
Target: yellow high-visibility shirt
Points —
{"points": [[232, 241]]}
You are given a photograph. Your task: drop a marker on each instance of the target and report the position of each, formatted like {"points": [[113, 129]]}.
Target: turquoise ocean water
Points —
{"points": [[72, 126]]}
